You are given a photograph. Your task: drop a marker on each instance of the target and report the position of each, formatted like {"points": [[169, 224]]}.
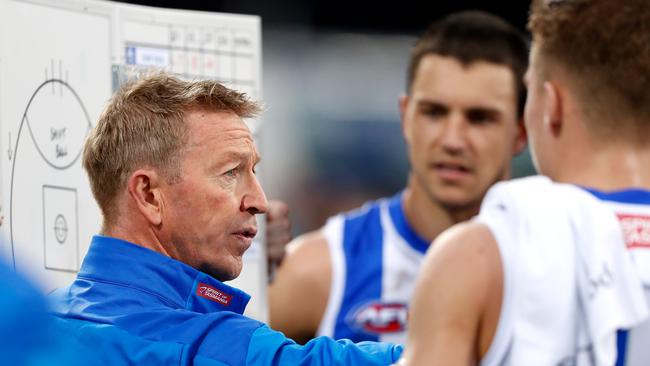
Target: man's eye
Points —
{"points": [[481, 117], [231, 173], [434, 111]]}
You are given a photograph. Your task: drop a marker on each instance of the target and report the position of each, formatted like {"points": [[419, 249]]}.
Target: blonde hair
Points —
{"points": [[143, 125]]}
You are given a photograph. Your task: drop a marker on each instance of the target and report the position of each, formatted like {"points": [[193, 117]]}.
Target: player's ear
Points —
{"points": [[403, 102], [552, 108], [143, 186], [521, 138]]}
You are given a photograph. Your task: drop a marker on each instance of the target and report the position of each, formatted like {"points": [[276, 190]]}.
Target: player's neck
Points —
{"points": [[427, 217], [608, 169]]}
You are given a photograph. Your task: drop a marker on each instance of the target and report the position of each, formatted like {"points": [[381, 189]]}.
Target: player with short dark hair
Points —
{"points": [[555, 269], [461, 119]]}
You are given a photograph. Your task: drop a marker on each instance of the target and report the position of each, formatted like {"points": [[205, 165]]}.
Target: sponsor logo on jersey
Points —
{"points": [[378, 317], [636, 229], [211, 293]]}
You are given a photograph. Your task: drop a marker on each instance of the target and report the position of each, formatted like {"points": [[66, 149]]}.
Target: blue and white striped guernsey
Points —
{"points": [[376, 257]]}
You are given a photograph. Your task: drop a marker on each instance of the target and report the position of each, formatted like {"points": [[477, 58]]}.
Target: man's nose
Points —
{"points": [[453, 134], [254, 200]]}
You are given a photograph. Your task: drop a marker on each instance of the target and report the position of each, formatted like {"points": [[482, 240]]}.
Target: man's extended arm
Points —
{"points": [[457, 300]]}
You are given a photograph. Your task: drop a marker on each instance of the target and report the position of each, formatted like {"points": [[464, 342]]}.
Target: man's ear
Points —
{"points": [[403, 102], [552, 108], [144, 188], [521, 138]]}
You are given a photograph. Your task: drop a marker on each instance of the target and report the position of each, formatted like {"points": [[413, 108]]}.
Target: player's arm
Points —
{"points": [[457, 299], [299, 293]]}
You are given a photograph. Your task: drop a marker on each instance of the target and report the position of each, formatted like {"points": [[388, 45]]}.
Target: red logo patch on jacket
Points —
{"points": [[380, 317], [211, 293]]}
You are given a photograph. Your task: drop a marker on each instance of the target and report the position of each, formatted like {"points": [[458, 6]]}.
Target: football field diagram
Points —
{"points": [[57, 79], [54, 124]]}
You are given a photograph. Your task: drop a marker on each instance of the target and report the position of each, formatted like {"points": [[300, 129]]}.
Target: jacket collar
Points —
{"points": [[123, 263]]}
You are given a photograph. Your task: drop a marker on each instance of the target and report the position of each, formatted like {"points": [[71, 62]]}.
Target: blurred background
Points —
{"points": [[332, 74]]}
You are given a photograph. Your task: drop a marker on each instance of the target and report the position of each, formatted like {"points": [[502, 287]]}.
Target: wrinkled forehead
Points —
{"points": [[225, 129], [204, 125]]}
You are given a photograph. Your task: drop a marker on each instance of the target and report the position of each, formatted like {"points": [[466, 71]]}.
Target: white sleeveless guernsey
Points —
{"points": [[576, 274]]}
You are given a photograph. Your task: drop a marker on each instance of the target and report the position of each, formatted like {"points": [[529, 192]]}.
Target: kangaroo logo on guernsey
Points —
{"points": [[378, 317], [208, 292]]}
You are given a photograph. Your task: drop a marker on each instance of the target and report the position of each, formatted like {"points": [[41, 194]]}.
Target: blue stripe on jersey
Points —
{"points": [[362, 248], [396, 210], [621, 346], [634, 196]]}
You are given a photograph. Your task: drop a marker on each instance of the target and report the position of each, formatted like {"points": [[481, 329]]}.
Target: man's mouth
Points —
{"points": [[451, 171], [248, 233]]}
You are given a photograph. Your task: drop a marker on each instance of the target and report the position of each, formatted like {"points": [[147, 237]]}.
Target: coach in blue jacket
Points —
{"points": [[172, 167]]}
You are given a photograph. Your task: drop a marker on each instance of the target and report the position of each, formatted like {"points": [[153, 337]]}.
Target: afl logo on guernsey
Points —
{"points": [[378, 317]]}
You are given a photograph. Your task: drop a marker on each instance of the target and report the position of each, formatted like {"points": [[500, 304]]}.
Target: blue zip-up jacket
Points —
{"points": [[29, 336], [131, 305]]}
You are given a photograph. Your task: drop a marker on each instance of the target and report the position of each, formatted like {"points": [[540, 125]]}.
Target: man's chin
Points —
{"points": [[458, 201], [224, 274]]}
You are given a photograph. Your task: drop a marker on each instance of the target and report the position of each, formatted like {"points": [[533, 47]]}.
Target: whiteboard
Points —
{"points": [[59, 63]]}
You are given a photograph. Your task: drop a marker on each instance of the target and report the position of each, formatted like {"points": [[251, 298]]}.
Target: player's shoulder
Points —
{"points": [[307, 265], [311, 251], [468, 249], [311, 245], [465, 254], [463, 239], [307, 260]]}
